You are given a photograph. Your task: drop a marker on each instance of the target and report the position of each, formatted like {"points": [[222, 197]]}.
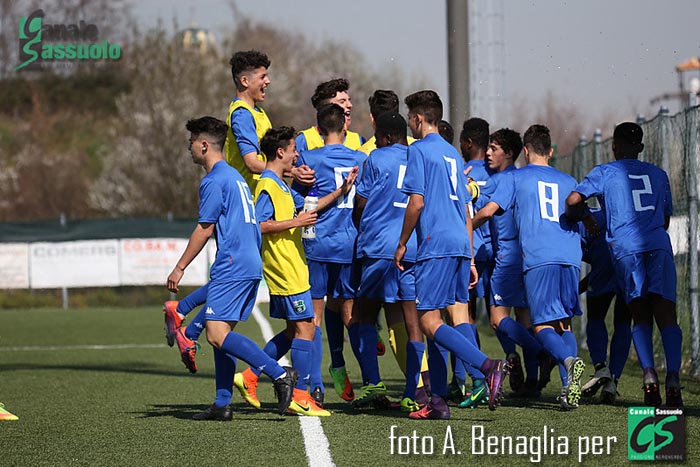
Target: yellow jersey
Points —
{"points": [[284, 262], [231, 151], [315, 141]]}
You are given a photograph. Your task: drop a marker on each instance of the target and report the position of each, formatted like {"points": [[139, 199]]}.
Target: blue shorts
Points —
{"points": [[508, 289], [552, 292], [640, 274], [483, 286], [383, 281], [231, 301], [441, 281], [602, 283], [292, 307], [330, 279]]}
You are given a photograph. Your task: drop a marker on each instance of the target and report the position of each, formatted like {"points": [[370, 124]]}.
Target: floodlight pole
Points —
{"points": [[458, 61]]}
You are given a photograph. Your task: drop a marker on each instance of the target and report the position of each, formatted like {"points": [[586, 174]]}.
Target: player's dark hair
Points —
{"points": [[212, 128], [276, 138], [509, 140], [446, 131], [382, 101], [391, 124], [476, 129], [327, 91], [330, 119], [628, 138], [243, 62], [538, 140], [426, 103]]}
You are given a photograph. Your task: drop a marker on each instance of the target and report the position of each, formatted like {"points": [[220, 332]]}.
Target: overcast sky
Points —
{"points": [[608, 57]]}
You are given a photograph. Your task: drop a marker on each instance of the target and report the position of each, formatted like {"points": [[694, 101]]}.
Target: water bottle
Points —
{"points": [[310, 203]]}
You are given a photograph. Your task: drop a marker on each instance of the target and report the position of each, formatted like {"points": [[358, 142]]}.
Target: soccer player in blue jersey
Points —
{"points": [[436, 186], [335, 91], [601, 288], [638, 208], [551, 251], [330, 254], [379, 211], [506, 286], [226, 211]]}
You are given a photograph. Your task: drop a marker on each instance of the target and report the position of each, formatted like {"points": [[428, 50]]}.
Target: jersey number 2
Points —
{"points": [[637, 194]]}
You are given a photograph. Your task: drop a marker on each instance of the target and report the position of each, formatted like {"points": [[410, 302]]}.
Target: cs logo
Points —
{"points": [[655, 434]]}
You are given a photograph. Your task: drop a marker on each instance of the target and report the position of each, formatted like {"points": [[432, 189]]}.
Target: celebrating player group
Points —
{"points": [[341, 227]]}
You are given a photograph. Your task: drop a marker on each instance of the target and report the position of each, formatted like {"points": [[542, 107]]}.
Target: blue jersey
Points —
{"points": [[382, 218], [225, 200], [335, 231], [435, 170], [508, 256], [481, 174], [536, 194], [637, 198], [601, 279]]}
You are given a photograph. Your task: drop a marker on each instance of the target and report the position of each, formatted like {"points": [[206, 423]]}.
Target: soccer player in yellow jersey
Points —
{"points": [[284, 266], [334, 91]]}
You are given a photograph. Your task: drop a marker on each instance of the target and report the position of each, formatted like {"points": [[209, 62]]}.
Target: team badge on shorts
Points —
{"points": [[299, 306]]}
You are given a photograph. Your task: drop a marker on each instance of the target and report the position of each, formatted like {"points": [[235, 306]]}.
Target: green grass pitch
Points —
{"points": [[80, 405]]}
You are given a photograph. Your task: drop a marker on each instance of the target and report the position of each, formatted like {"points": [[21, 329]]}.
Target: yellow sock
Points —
{"points": [[398, 338]]}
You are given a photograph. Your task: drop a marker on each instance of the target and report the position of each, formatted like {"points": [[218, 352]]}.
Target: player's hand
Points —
{"points": [[174, 279], [349, 181], [473, 276], [305, 218], [304, 175], [590, 224], [398, 256]]}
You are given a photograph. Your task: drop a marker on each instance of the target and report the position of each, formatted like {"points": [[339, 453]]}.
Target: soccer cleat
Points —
{"points": [[478, 395], [409, 405], [381, 347], [674, 397], [5, 415], [284, 388], [369, 394], [601, 377], [173, 320], [247, 384], [564, 404], [431, 412], [317, 395], [609, 392], [547, 364], [528, 390], [222, 414], [516, 378], [341, 383], [456, 391], [188, 350], [422, 396], [496, 372], [384, 403], [652, 395], [574, 370], [303, 404]]}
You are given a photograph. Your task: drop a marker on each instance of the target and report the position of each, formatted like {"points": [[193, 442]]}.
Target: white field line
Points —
{"points": [[81, 347], [316, 444]]}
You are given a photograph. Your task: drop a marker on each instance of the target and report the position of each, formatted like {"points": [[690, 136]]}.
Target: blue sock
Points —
{"points": [[414, 358], [477, 341], [246, 349], [301, 359], [597, 340], [368, 354], [563, 374], [197, 325], [467, 330], [225, 368], [354, 337], [461, 346], [569, 339], [276, 348], [193, 300], [641, 336], [520, 335], [335, 333], [620, 348], [554, 344], [672, 339], [316, 380], [506, 342], [437, 362]]}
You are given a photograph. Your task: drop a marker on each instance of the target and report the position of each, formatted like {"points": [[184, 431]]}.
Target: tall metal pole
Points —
{"points": [[458, 61]]}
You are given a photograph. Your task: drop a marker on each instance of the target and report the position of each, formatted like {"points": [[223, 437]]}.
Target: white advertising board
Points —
{"points": [[14, 265], [88, 263], [148, 261]]}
